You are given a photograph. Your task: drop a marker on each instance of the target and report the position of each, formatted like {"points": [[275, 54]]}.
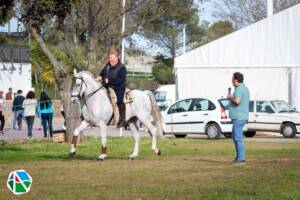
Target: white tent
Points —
{"points": [[16, 79], [267, 53], [15, 68]]}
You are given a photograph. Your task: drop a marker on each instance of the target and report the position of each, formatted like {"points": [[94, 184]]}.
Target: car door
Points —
{"points": [[178, 117], [200, 113], [251, 121], [265, 117]]}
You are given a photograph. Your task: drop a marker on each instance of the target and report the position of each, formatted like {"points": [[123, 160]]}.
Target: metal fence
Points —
{"points": [[14, 53]]}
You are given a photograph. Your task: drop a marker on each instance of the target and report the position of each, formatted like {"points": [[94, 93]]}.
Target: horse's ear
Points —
{"points": [[75, 72]]}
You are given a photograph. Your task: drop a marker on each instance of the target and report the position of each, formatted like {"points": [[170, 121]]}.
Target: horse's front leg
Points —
{"points": [[77, 131], [103, 129], [136, 140]]}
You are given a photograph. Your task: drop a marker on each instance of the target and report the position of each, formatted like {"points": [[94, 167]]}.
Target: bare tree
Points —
{"points": [[243, 12]]}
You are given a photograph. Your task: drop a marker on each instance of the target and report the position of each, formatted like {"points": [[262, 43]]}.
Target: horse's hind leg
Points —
{"points": [[103, 129], [77, 131], [153, 132], [136, 140]]}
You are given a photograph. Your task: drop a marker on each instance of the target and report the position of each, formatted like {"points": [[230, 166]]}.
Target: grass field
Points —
{"points": [[188, 169]]}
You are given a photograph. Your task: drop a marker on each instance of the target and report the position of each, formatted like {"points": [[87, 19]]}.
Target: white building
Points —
{"points": [[15, 68], [267, 53], [139, 63]]}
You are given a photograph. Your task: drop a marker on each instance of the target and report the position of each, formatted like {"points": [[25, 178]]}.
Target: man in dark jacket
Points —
{"points": [[18, 109], [2, 120], [114, 75]]}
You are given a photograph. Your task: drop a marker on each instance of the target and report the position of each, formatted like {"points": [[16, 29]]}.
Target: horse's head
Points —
{"points": [[79, 86]]}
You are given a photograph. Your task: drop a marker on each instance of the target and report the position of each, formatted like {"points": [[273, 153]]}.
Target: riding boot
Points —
{"points": [[122, 113]]}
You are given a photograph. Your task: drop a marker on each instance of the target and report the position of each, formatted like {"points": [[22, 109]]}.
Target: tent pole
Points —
{"points": [[290, 85], [176, 86]]}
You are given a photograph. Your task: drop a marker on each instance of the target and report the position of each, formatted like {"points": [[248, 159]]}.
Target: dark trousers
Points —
{"points": [[63, 114], [2, 120], [29, 121], [47, 120], [120, 95]]}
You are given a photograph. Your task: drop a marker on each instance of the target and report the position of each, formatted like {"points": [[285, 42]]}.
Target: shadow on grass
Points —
{"points": [[4, 148], [207, 160], [67, 157]]}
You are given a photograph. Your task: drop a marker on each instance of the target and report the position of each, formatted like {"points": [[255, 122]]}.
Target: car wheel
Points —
{"points": [[250, 133], [227, 135], [213, 131], [288, 130], [180, 136]]}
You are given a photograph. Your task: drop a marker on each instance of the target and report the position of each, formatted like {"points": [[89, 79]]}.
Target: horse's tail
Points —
{"points": [[155, 113]]}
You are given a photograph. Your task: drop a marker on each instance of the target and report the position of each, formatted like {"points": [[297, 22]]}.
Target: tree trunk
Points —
{"points": [[93, 22], [64, 85]]}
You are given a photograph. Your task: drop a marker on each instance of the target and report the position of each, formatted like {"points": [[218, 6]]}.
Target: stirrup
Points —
{"points": [[121, 124]]}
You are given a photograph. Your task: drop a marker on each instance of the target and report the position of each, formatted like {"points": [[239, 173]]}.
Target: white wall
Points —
{"points": [[296, 88], [15, 80], [264, 83]]}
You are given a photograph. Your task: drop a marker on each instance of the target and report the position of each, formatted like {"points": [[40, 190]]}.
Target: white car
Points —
{"points": [[271, 116], [194, 116]]}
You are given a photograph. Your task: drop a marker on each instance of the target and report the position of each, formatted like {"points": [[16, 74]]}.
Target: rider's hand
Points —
{"points": [[99, 78]]}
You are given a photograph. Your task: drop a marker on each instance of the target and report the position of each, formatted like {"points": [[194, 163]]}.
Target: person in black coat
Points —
{"points": [[114, 75], [18, 109], [2, 120]]}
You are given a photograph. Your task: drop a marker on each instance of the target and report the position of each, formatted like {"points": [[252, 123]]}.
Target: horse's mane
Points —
{"points": [[89, 73]]}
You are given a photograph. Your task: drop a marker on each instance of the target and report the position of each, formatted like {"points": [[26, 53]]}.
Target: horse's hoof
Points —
{"points": [[100, 159], [131, 158], [159, 152], [72, 154]]}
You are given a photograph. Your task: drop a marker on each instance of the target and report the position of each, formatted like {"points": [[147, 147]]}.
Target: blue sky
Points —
{"points": [[205, 14]]}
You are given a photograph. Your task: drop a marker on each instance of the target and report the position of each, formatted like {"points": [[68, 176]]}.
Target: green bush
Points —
{"points": [[163, 73]]}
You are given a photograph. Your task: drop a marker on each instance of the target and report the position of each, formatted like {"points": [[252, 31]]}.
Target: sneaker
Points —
{"points": [[28, 137], [19, 125], [238, 162]]}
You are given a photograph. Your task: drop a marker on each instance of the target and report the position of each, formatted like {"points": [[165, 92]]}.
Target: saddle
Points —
{"points": [[128, 99]]}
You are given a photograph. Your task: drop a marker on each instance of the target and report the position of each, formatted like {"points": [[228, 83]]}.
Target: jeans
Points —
{"points": [[47, 119], [2, 120], [18, 115], [238, 140], [29, 121]]}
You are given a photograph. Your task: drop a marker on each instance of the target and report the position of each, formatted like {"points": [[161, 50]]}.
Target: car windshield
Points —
{"points": [[281, 106], [160, 96]]}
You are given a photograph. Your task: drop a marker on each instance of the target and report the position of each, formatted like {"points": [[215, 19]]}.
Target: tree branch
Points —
{"points": [[121, 14]]}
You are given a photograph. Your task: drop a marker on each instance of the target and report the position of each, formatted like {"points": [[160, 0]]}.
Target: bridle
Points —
{"points": [[83, 98]]}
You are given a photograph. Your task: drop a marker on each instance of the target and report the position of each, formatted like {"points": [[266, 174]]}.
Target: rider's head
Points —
{"points": [[113, 57]]}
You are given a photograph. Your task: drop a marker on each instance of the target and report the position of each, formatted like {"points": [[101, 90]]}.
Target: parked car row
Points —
{"points": [[211, 117], [196, 115]]}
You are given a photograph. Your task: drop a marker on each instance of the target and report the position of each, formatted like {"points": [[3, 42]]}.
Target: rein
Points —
{"points": [[84, 97]]}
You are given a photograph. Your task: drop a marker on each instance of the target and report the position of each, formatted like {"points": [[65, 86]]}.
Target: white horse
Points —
{"points": [[97, 111]]}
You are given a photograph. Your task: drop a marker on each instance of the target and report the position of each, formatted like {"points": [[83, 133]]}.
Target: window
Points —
{"points": [[263, 107], [251, 106], [281, 106], [224, 103], [202, 105], [181, 106], [160, 96]]}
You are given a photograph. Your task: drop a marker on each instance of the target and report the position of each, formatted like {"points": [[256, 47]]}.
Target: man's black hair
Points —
{"points": [[19, 91], [239, 77]]}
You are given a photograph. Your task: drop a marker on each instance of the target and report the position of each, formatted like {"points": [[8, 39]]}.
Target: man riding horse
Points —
{"points": [[113, 75]]}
